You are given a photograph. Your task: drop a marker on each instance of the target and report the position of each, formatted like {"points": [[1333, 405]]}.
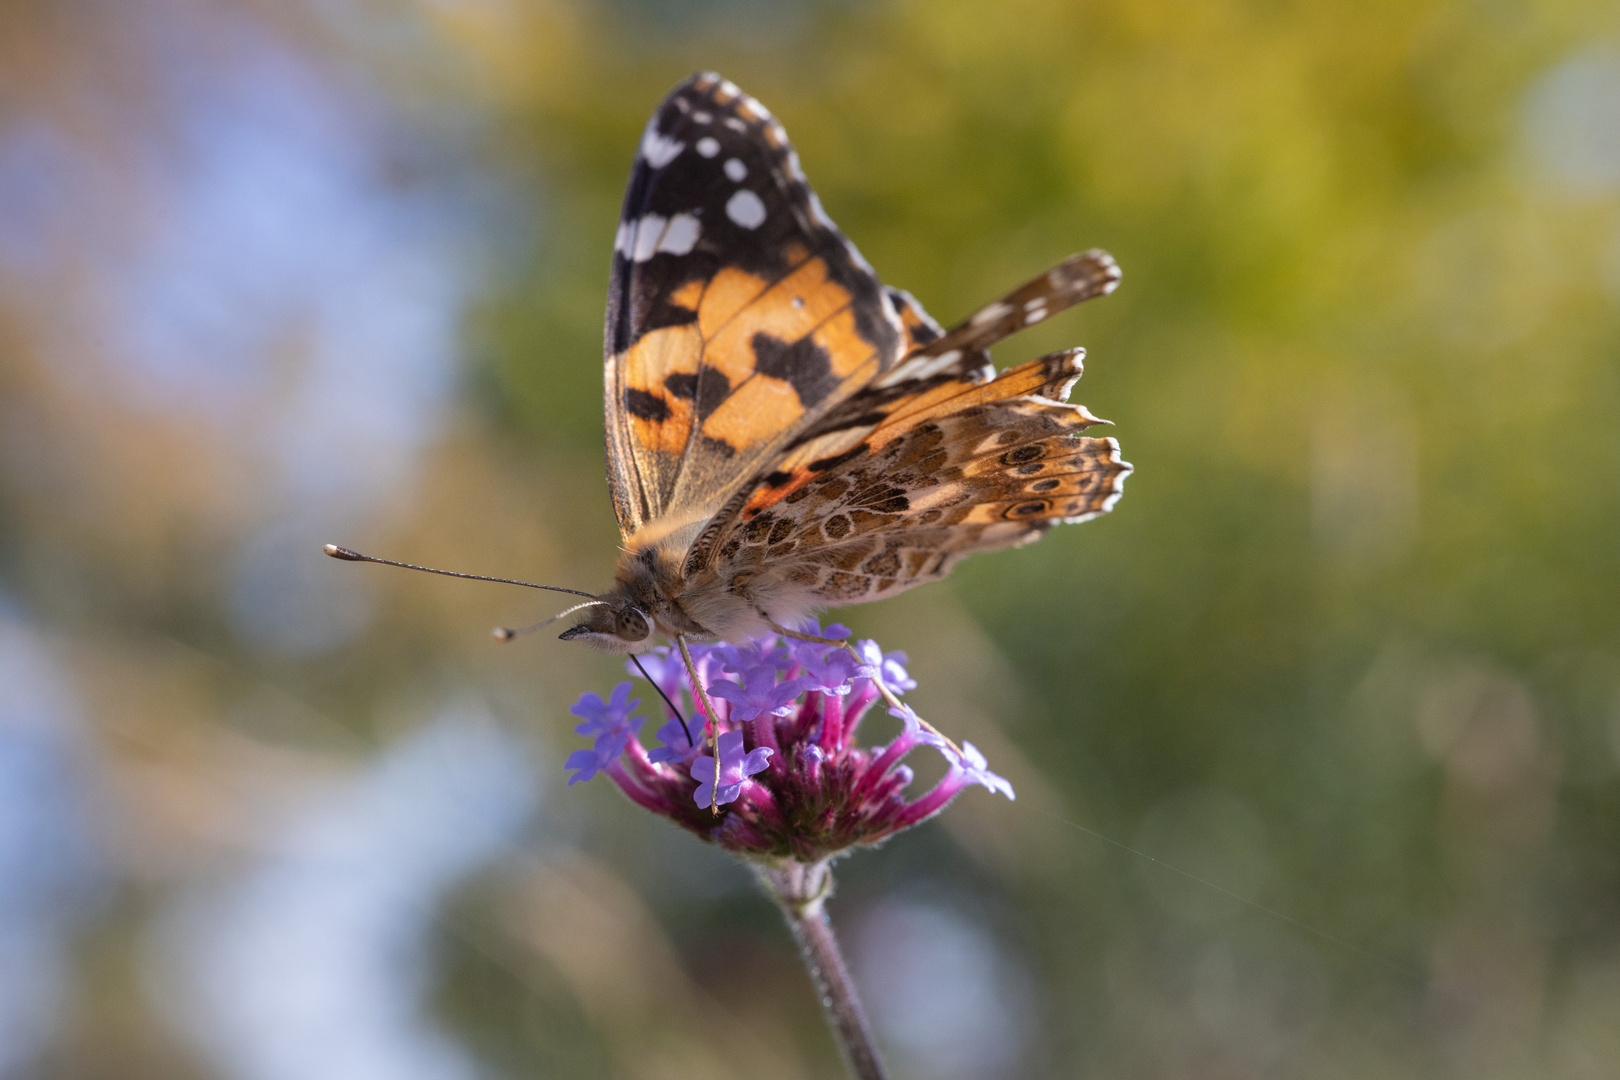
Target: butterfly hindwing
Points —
{"points": [[990, 466], [1021, 471], [738, 315]]}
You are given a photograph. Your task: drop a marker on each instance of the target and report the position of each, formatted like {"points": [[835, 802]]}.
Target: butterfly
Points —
{"points": [[784, 431]]}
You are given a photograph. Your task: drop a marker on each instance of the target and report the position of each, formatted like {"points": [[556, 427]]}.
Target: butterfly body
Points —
{"points": [[785, 432]]}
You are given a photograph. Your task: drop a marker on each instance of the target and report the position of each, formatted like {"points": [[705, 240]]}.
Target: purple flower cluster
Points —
{"points": [[792, 782]]}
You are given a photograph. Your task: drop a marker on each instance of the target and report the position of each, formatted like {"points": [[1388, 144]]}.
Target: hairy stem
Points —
{"points": [[801, 891]]}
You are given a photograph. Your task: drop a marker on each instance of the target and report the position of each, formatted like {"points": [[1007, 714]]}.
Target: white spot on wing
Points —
{"points": [[922, 368], [746, 209], [682, 234], [1034, 315], [659, 149], [624, 237], [649, 230], [991, 313], [735, 124], [819, 214], [708, 146], [929, 498], [734, 168], [702, 117]]}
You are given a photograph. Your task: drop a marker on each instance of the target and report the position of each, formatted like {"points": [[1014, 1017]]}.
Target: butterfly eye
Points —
{"points": [[632, 625]]}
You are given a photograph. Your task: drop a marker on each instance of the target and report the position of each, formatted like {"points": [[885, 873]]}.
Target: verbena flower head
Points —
{"points": [[793, 781]]}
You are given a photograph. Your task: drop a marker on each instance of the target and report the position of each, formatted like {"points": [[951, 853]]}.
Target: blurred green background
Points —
{"points": [[1347, 652]]}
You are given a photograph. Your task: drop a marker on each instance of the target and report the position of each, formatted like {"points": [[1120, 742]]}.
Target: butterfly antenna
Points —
{"points": [[354, 556], [690, 740], [502, 633]]}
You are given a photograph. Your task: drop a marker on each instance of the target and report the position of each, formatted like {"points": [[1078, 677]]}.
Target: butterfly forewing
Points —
{"points": [[1081, 277], [737, 315]]}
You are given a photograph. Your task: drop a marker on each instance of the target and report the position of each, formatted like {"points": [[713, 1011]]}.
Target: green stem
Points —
{"points": [[801, 891]]}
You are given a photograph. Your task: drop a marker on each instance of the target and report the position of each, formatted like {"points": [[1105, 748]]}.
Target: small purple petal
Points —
{"points": [[677, 744], [890, 667], [895, 675], [808, 652], [612, 725], [919, 733], [761, 697], [760, 658], [871, 659], [613, 715], [831, 672], [741, 710], [589, 762], [734, 769], [976, 770]]}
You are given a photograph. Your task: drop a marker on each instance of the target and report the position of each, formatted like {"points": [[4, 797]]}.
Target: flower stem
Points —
{"points": [[801, 890]]}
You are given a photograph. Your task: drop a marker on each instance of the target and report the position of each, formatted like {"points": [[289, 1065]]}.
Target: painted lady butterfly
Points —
{"points": [[785, 432]]}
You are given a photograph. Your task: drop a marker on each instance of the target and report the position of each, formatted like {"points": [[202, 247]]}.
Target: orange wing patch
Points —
{"points": [[790, 351], [786, 311], [654, 369], [757, 360]]}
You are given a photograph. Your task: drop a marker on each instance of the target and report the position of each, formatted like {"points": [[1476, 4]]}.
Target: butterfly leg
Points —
{"points": [[798, 636], [710, 727], [877, 678]]}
